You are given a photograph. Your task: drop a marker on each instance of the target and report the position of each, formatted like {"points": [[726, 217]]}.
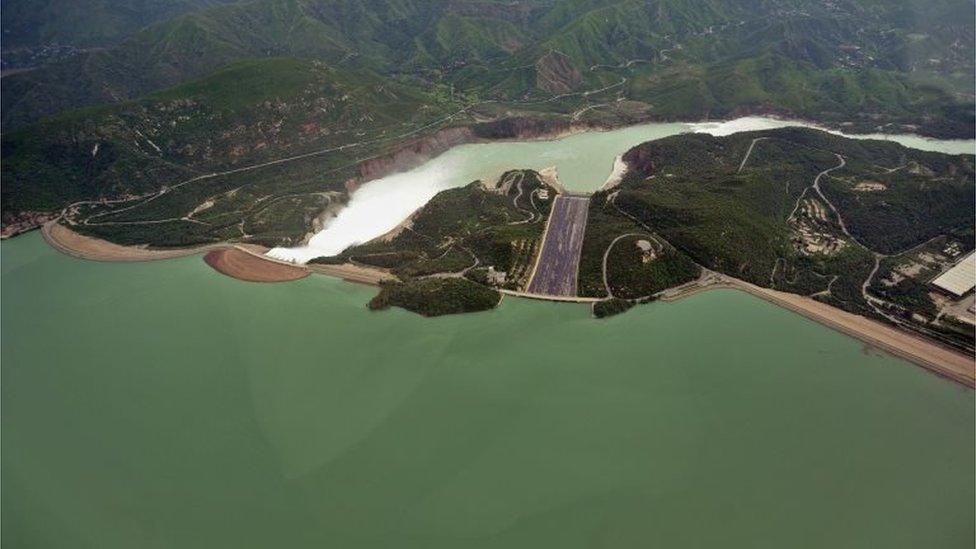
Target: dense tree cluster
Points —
{"points": [[436, 296]]}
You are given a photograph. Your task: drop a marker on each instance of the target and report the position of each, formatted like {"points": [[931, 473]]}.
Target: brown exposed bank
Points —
{"points": [[245, 265], [241, 261], [255, 267]]}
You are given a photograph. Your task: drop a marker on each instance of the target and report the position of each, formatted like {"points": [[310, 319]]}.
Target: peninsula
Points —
{"points": [[851, 233]]}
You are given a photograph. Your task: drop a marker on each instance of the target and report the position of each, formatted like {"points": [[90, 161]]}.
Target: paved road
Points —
{"points": [[556, 270]]}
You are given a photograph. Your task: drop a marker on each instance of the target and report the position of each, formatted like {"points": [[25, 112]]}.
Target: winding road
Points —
{"points": [[816, 186]]}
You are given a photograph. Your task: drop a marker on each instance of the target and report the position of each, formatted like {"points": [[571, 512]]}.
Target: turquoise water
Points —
{"points": [[582, 161], [163, 405]]}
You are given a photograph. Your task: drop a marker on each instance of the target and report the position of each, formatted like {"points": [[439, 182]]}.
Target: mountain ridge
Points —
{"points": [[477, 46]]}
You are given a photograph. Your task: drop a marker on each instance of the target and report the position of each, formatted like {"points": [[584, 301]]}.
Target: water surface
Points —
{"points": [[163, 405], [583, 162]]}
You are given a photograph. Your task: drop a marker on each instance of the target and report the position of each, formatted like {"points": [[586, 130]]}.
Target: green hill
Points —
{"points": [[505, 51], [766, 223], [245, 114], [250, 82], [881, 223], [86, 23]]}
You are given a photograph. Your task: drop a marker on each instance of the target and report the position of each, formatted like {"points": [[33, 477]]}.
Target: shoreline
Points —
{"points": [[576, 128], [79, 246], [351, 272], [931, 356], [416, 151], [243, 264], [934, 357]]}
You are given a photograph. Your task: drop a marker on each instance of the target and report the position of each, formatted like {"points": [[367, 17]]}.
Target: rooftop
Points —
{"points": [[960, 278]]}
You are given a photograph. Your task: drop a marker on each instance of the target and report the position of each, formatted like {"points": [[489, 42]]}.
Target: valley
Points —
{"points": [[488, 273], [263, 121], [729, 238], [630, 255]]}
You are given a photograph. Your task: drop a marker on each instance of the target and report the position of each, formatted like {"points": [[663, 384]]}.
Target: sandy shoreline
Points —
{"points": [[931, 356], [68, 242], [351, 272]]}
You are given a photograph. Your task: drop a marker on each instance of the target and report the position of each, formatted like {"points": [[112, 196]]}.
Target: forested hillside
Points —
{"points": [[808, 212], [212, 88], [896, 56], [36, 32]]}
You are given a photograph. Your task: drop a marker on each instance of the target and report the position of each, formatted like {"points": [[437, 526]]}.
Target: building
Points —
{"points": [[496, 278], [960, 278], [647, 251]]}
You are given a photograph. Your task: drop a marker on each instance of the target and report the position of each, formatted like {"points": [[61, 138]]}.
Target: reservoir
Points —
{"points": [[583, 162], [163, 405]]}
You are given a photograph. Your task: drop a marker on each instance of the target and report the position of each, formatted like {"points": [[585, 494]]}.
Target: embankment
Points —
{"points": [[931, 356], [927, 354], [249, 266], [78, 245], [241, 261]]}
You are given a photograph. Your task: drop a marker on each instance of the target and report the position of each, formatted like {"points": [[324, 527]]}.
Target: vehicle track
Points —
{"points": [[606, 255], [748, 152]]}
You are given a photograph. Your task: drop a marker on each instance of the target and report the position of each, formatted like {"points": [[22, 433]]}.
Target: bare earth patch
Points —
{"points": [[354, 273], [243, 265], [870, 186]]}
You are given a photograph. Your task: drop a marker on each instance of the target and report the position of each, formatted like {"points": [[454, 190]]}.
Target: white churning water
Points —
{"points": [[583, 162]]}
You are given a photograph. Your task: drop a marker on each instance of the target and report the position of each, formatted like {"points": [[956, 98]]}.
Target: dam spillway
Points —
{"points": [[557, 268]]}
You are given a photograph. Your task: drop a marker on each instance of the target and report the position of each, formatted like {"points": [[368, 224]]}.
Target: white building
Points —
{"points": [[960, 278]]}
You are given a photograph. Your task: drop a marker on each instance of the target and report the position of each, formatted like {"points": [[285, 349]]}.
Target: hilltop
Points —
{"points": [[39, 32]]}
